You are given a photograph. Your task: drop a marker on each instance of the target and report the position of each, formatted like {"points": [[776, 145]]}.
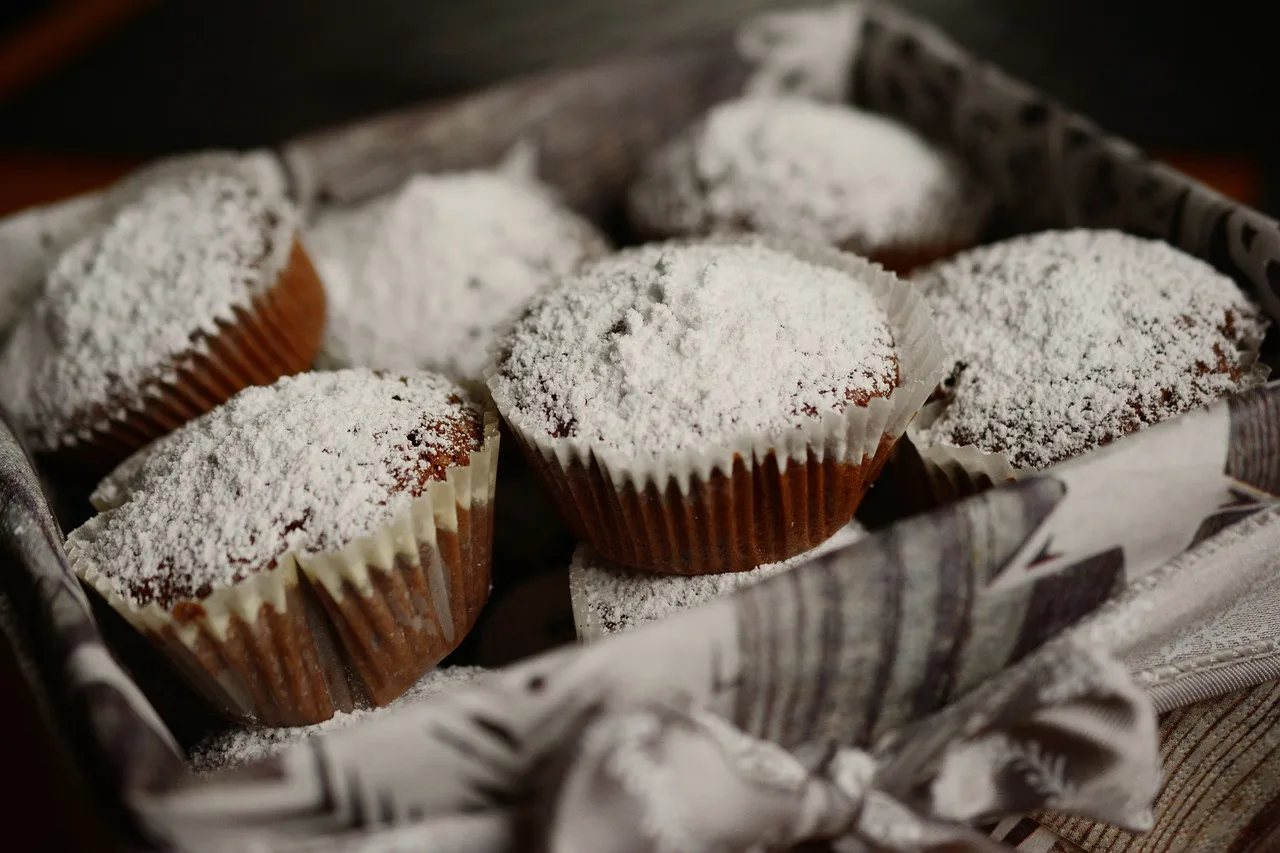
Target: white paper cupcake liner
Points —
{"points": [[321, 633]]}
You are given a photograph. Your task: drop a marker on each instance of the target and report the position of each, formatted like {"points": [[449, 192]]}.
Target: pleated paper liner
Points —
{"points": [[277, 335], [318, 634], [760, 499], [921, 478], [403, 599]]}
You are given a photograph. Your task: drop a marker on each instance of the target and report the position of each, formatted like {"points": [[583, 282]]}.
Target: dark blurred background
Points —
{"points": [[89, 85]]}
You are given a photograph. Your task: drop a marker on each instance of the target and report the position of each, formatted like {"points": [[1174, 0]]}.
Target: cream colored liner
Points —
{"points": [[463, 487], [852, 436]]}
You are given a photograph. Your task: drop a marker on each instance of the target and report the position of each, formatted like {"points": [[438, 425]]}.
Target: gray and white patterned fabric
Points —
{"points": [[106, 718], [986, 660]]}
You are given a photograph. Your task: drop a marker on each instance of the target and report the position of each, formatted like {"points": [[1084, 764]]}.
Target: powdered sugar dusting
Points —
{"points": [[123, 303], [1067, 340], [421, 278], [610, 599], [31, 240], [796, 168], [676, 346], [304, 466], [240, 746]]}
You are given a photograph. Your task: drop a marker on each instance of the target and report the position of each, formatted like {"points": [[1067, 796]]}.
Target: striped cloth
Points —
{"points": [[1221, 792]]}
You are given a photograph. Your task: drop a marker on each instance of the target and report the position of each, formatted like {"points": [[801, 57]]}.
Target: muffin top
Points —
{"points": [[30, 241], [609, 598], [672, 347], [420, 278], [123, 304], [304, 466], [819, 172], [1067, 340]]}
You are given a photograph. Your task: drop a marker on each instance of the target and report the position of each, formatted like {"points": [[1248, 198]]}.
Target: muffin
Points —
{"points": [[31, 240], [1065, 341], [609, 599], [307, 547], [824, 173], [419, 279], [718, 405], [187, 293]]}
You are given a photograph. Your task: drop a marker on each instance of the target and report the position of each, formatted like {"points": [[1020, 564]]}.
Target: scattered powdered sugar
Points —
{"points": [[677, 346], [1066, 340], [610, 599], [243, 745], [303, 466], [124, 302], [421, 278], [797, 168]]}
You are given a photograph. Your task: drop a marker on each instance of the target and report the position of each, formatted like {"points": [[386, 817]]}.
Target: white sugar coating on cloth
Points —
{"points": [[677, 346], [124, 303], [303, 466], [242, 745], [796, 168], [609, 599], [1066, 340], [421, 278]]}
